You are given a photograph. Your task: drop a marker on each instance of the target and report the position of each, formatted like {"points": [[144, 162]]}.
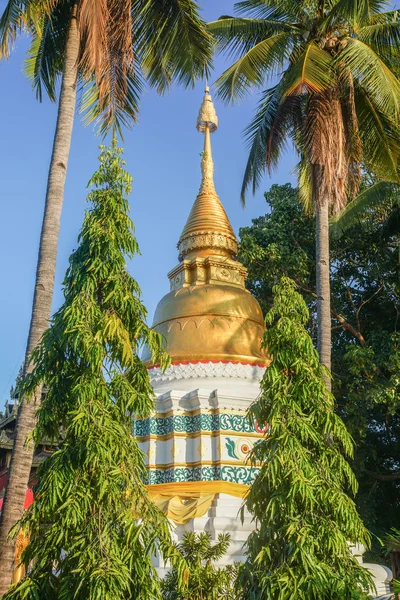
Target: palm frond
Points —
{"points": [[110, 111], [391, 224], [304, 178], [288, 10], [380, 138], [354, 149], [384, 17], [238, 35], [366, 200], [12, 21], [311, 72], [173, 42], [21, 15], [327, 148], [44, 63], [372, 74], [357, 13], [268, 135], [261, 62], [94, 19], [383, 38]]}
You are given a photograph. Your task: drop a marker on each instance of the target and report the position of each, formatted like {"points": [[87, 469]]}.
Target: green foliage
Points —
{"points": [[300, 501], [86, 540], [370, 199], [202, 581], [280, 242], [365, 298]]}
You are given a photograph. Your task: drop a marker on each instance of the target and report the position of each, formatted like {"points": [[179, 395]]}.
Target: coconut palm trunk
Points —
{"points": [[21, 461], [323, 285]]}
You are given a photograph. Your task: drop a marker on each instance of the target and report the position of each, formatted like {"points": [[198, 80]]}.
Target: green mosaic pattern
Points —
{"points": [[244, 475], [192, 424]]}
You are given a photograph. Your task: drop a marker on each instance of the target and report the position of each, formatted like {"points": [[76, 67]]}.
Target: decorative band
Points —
{"points": [[190, 424], [206, 369], [230, 474]]}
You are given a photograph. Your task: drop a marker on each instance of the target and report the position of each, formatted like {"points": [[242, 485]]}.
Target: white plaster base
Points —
{"points": [[230, 379], [382, 576]]}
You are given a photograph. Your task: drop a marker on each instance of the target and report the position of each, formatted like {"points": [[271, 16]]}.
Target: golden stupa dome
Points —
{"points": [[209, 315]]}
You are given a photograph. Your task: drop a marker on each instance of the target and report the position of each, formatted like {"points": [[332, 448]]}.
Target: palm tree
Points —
{"points": [[379, 198], [336, 97], [110, 47]]}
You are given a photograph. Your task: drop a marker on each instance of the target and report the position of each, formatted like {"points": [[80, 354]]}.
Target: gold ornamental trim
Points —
{"points": [[190, 489], [208, 316]]}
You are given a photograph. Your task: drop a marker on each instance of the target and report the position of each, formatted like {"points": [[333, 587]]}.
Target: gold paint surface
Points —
{"points": [[213, 322], [192, 489], [208, 314]]}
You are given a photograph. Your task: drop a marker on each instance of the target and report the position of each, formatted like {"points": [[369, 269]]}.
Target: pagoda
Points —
{"points": [[198, 441]]}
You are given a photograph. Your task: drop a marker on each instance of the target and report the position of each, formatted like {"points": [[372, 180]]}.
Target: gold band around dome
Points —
{"points": [[201, 240]]}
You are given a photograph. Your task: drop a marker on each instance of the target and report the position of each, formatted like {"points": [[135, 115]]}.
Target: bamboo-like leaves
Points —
{"points": [[90, 494], [305, 517]]}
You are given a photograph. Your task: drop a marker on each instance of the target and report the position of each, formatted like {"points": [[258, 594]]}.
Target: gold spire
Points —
{"points": [[208, 230], [209, 314]]}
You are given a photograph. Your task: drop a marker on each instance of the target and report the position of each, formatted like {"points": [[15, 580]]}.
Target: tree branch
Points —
{"points": [[382, 477], [348, 327], [342, 321]]}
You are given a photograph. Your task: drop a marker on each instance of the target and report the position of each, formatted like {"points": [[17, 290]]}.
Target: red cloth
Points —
{"points": [[28, 499]]}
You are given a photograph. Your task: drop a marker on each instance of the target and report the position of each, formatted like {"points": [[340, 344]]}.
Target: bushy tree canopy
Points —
{"points": [[300, 499], [92, 527]]}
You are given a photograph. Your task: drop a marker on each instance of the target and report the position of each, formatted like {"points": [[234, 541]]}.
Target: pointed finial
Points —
{"points": [[207, 118], [207, 123], [208, 230]]}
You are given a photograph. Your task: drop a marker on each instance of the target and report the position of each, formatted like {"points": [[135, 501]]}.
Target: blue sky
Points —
{"points": [[162, 154]]}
